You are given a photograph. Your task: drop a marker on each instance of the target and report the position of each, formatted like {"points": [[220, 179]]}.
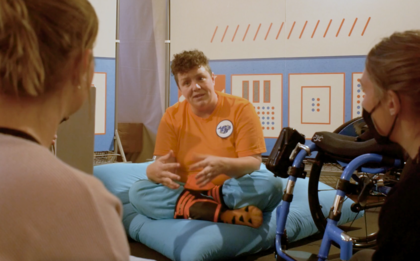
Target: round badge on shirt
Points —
{"points": [[224, 129]]}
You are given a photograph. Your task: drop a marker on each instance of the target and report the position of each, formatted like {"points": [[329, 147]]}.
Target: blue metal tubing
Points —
{"points": [[283, 210], [332, 232], [361, 160]]}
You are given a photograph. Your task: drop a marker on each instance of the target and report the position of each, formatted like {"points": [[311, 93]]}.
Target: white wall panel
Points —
{"points": [[316, 102], [264, 91], [239, 29], [107, 15]]}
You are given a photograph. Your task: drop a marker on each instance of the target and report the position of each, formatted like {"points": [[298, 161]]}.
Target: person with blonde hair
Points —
{"points": [[49, 210], [391, 82]]}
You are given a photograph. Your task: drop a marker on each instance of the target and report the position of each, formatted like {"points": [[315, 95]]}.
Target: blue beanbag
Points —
{"points": [[197, 240]]}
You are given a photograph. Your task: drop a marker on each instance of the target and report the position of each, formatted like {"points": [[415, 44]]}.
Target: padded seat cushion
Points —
{"points": [[195, 240]]}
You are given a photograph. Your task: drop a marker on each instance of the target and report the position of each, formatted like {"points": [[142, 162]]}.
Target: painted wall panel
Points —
{"points": [[106, 11], [267, 105], [242, 29], [316, 102], [357, 95], [99, 81], [105, 103], [347, 65]]}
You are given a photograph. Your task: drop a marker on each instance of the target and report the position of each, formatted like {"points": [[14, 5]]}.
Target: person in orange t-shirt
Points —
{"points": [[208, 155]]}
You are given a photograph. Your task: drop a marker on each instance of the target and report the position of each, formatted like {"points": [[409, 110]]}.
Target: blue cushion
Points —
{"points": [[203, 240]]}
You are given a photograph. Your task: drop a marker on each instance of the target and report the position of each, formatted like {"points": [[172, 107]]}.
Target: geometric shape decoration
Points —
{"points": [[245, 90], [256, 91], [316, 102], [99, 81], [267, 100], [267, 95], [357, 95]]}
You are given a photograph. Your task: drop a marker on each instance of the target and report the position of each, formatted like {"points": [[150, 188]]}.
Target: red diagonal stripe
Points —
{"points": [[257, 32], [328, 27], [339, 29], [303, 30], [233, 38], [366, 26], [224, 33], [215, 30], [281, 27], [353, 27], [246, 32], [291, 30], [268, 31], [316, 26]]}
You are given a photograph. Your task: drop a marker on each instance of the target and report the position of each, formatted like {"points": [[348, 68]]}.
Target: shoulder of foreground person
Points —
{"points": [[55, 212]]}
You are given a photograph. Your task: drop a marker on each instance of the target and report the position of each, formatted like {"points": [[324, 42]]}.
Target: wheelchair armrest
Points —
{"points": [[345, 148]]}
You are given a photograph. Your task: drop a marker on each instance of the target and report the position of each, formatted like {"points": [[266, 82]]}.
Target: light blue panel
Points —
{"points": [[106, 142], [346, 65]]}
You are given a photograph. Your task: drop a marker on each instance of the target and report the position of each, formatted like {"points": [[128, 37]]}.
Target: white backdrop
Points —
{"points": [[287, 28], [141, 67], [107, 15]]}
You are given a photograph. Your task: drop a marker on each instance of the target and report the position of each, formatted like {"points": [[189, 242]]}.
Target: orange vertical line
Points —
{"points": [[344, 96], [291, 30], [268, 31], [225, 33], [328, 27], [329, 120], [316, 26], [246, 32], [215, 30], [366, 26], [339, 29], [303, 29], [257, 32], [301, 105], [353, 27], [281, 27], [233, 38]]}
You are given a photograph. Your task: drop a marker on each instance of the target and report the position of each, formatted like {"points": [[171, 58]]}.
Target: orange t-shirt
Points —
{"points": [[233, 130]]}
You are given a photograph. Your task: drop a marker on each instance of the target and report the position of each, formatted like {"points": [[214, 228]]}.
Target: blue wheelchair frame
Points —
{"points": [[332, 232]]}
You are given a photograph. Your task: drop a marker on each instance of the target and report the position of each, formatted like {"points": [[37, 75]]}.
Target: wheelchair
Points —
{"points": [[369, 170]]}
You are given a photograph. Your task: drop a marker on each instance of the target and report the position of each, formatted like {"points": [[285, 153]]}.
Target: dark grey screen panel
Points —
{"points": [[76, 137], [256, 91]]}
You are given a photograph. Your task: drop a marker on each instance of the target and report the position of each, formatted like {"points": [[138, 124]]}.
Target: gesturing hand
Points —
{"points": [[163, 171], [211, 166]]}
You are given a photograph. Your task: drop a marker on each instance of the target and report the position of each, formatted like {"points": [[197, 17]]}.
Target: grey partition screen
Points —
{"points": [[76, 137]]}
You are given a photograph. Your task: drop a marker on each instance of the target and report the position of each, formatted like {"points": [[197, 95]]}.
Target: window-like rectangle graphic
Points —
{"points": [[267, 91], [256, 91], [245, 90]]}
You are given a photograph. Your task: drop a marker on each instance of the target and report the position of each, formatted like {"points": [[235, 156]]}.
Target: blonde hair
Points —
{"points": [[394, 64], [39, 39]]}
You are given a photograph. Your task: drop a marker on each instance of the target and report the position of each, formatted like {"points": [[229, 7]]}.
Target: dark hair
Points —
{"points": [[187, 60], [38, 39], [394, 64]]}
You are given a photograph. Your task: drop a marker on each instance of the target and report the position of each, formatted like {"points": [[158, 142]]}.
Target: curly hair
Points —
{"points": [[394, 64], [187, 60]]}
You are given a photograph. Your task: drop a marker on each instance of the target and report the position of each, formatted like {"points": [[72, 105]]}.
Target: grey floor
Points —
{"points": [[306, 249]]}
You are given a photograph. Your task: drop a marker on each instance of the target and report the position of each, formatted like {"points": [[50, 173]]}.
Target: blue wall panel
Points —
{"points": [[106, 142], [346, 65]]}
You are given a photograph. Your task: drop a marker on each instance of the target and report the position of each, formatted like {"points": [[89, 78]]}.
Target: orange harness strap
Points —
{"points": [[193, 205]]}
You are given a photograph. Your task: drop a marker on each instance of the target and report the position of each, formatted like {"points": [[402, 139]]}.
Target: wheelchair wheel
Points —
{"points": [[362, 237]]}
